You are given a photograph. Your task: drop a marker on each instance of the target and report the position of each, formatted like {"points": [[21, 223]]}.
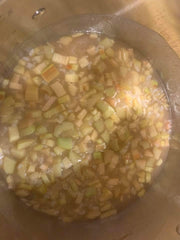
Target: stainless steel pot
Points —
{"points": [[157, 215]]}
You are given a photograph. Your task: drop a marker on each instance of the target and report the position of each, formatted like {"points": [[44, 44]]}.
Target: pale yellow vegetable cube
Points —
{"points": [[32, 93], [83, 62], [19, 69], [73, 60], [50, 73], [67, 163], [107, 43], [13, 134], [92, 51], [82, 114], [9, 165], [58, 89], [49, 103], [75, 35], [65, 40], [71, 77], [93, 35], [72, 89], [40, 67], [58, 58], [15, 86]]}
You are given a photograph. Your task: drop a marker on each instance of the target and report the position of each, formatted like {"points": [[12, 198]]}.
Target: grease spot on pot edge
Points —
{"points": [[39, 12]]}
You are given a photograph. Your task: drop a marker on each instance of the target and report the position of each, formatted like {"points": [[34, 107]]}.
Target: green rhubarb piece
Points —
{"points": [[71, 133], [105, 136], [19, 154], [90, 93], [53, 111], [65, 143], [114, 144], [90, 191], [110, 92], [74, 157], [105, 108], [28, 131], [98, 86], [93, 100], [99, 125], [38, 147], [46, 136], [65, 126], [36, 114], [64, 99], [58, 150], [57, 168], [41, 130], [109, 124], [24, 143], [97, 155]]}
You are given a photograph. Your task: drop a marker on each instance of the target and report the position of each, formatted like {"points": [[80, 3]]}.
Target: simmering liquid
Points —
{"points": [[85, 126]]}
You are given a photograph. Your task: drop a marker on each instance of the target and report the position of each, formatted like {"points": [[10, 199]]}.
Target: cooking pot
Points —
{"points": [[156, 216]]}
